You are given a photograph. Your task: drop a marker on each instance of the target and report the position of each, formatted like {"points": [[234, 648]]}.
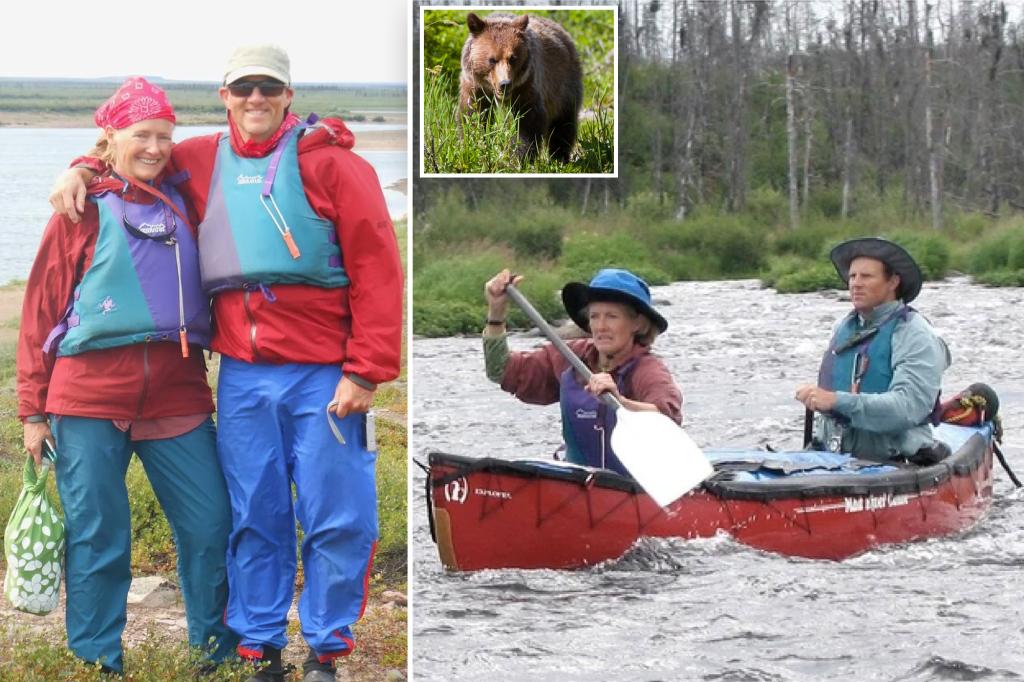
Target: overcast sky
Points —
{"points": [[330, 41]]}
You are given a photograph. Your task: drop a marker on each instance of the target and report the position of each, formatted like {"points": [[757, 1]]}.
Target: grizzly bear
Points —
{"points": [[528, 63]]}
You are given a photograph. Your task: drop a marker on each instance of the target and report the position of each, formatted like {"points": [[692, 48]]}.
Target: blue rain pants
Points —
{"points": [[92, 461], [272, 432]]}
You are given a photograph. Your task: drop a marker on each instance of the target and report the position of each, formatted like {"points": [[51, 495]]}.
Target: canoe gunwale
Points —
{"points": [[906, 479]]}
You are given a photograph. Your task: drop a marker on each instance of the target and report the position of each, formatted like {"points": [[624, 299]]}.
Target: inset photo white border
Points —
{"points": [[435, 70]]}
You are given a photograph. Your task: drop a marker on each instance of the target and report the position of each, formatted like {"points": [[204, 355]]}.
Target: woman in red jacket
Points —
{"points": [[110, 363], [616, 312]]}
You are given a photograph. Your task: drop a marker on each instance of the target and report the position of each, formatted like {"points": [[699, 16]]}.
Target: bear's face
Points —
{"points": [[498, 53]]}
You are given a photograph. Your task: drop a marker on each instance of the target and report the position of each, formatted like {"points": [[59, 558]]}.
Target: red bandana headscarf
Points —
{"points": [[136, 100]]}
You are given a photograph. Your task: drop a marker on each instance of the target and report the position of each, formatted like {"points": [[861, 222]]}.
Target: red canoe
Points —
{"points": [[491, 513]]}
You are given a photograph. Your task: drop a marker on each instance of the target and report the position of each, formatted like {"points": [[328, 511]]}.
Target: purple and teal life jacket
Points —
{"points": [[860, 360], [253, 204], [143, 282], [587, 422]]}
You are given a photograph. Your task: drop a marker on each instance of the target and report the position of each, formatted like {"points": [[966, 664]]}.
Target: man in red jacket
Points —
{"points": [[300, 256]]}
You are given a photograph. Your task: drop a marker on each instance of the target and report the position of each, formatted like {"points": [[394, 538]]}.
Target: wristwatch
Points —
{"points": [[35, 419]]}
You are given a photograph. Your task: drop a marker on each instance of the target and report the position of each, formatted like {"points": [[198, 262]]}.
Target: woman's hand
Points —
{"points": [[35, 434], [603, 383], [494, 293]]}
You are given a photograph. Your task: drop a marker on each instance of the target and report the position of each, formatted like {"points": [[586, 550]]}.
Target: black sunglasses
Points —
{"points": [[268, 88]]}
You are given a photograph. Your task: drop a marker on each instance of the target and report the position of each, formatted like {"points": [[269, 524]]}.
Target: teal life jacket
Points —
{"points": [[259, 228], [142, 284], [859, 360]]}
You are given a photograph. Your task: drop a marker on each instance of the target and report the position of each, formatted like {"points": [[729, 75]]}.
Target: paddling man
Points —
{"points": [[882, 373], [300, 255]]}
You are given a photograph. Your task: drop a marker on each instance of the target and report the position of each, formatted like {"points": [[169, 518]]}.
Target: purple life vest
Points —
{"points": [[143, 282], [587, 422]]}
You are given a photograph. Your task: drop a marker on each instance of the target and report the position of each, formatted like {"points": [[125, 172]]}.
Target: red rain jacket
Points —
{"points": [[359, 327], [141, 381]]}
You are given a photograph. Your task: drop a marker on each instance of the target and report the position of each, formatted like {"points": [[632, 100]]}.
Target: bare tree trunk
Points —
{"points": [[808, 144], [847, 164], [658, 189], [794, 189], [685, 168], [935, 192], [586, 196]]}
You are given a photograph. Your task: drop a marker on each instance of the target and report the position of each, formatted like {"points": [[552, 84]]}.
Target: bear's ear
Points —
{"points": [[520, 22], [475, 23]]}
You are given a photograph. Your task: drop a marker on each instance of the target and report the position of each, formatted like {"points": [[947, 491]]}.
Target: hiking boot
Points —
{"points": [[270, 669], [316, 671]]}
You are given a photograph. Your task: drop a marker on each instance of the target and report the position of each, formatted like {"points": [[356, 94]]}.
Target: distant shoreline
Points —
{"points": [[366, 140]]}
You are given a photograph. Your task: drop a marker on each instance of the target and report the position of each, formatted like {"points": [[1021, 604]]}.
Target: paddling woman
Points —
{"points": [[615, 309], [109, 362]]}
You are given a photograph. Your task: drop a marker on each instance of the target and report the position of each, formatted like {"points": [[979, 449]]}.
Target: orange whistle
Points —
{"points": [[184, 342], [292, 246]]}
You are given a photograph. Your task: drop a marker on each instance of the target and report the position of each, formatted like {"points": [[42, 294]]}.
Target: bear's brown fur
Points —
{"points": [[530, 64]]}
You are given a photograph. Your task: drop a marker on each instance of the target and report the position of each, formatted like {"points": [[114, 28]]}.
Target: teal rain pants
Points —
{"points": [[184, 471]]}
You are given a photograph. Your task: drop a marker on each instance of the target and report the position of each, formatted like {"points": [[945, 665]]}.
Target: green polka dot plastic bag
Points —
{"points": [[34, 547]]}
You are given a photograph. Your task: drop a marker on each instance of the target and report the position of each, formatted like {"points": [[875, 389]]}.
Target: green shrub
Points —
{"points": [[710, 244], [930, 250], [450, 221], [780, 266], [449, 294], [813, 278], [691, 266], [825, 201], [1002, 249], [1001, 278], [1015, 258], [583, 254], [968, 226], [646, 206], [535, 233], [808, 241], [537, 240], [446, 318], [768, 208]]}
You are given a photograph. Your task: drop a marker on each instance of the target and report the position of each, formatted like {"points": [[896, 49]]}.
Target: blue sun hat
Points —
{"points": [[610, 285]]}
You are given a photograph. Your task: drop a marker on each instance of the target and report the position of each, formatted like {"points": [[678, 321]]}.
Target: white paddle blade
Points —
{"points": [[662, 458]]}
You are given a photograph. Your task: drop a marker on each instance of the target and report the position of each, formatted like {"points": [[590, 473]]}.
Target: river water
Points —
{"points": [[31, 158], [946, 609]]}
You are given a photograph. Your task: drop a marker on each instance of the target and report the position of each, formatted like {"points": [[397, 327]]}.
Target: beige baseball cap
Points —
{"points": [[258, 60]]}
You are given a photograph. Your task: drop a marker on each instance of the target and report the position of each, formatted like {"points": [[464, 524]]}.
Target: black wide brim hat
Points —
{"points": [[610, 286], [890, 253]]}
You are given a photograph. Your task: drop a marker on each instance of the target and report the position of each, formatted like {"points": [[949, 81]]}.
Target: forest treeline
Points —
{"points": [[753, 135], [26, 101]]}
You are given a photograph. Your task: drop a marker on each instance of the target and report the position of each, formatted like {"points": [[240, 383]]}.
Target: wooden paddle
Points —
{"points": [[662, 458]]}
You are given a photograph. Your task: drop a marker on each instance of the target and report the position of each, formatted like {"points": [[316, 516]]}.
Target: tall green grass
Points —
{"points": [[487, 142]]}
